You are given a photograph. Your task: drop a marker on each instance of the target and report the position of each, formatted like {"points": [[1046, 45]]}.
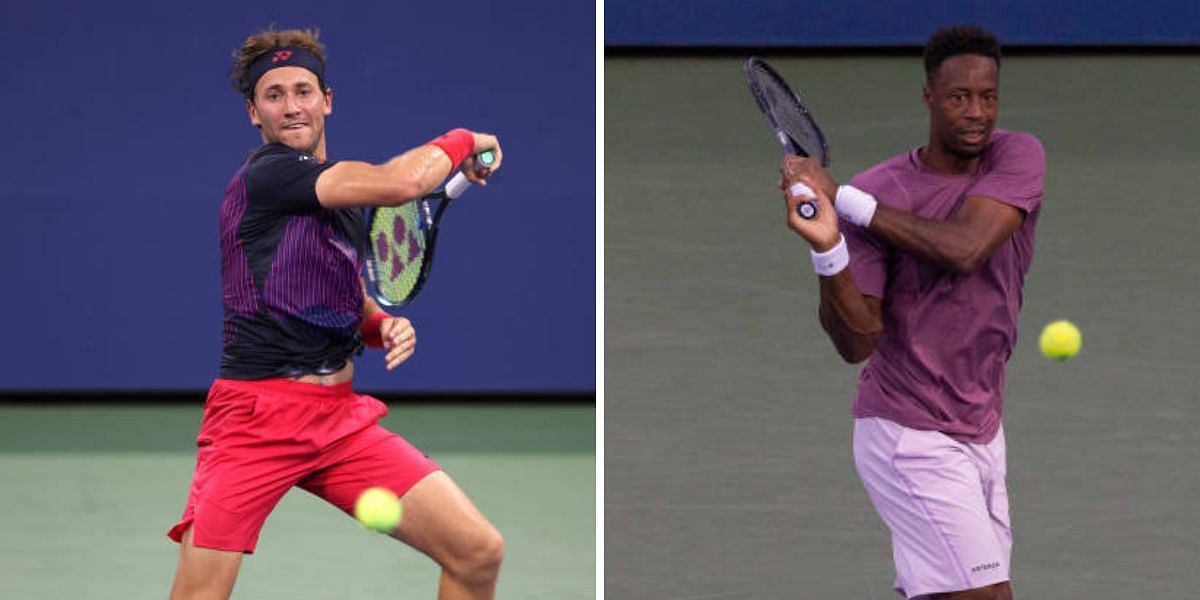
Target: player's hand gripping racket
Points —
{"points": [[794, 126], [402, 240]]}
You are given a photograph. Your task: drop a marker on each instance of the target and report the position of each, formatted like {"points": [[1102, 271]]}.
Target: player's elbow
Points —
{"points": [[854, 346], [967, 261], [963, 266], [854, 359], [854, 340], [858, 349]]}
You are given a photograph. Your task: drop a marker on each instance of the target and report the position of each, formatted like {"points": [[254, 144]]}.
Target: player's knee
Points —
{"points": [[488, 554], [478, 559]]}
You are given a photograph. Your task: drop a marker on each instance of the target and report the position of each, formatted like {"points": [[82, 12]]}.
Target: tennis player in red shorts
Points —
{"points": [[283, 413]]}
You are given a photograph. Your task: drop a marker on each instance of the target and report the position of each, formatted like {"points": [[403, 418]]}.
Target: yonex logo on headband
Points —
{"points": [[281, 55]]}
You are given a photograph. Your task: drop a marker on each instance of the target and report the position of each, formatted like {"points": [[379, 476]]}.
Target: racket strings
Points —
{"points": [[793, 119], [399, 244], [789, 115]]}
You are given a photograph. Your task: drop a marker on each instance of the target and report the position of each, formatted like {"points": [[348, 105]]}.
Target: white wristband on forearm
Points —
{"points": [[830, 263], [855, 205]]}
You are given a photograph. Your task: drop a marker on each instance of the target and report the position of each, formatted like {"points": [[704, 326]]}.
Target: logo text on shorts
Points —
{"points": [[986, 567]]}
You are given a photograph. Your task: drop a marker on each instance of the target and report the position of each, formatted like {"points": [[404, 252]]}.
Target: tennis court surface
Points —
{"points": [[89, 492]]}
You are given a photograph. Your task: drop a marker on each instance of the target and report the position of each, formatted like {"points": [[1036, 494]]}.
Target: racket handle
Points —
{"points": [[459, 183], [806, 210], [486, 158]]}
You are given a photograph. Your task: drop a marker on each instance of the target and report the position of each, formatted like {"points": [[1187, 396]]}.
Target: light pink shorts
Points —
{"points": [[945, 502]]}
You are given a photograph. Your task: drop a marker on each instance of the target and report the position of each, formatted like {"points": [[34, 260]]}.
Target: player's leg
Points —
{"points": [[204, 573], [246, 461], [441, 521], [999, 591], [992, 461], [1004, 591], [927, 488]]}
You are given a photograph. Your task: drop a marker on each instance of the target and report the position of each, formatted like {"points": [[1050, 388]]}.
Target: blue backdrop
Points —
{"points": [[897, 22], [123, 132]]}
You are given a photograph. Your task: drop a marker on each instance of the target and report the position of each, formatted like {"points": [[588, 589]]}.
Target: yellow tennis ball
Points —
{"points": [[378, 509], [1060, 340]]}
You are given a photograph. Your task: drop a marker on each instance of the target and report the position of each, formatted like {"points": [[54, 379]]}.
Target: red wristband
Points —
{"points": [[371, 329], [456, 143]]}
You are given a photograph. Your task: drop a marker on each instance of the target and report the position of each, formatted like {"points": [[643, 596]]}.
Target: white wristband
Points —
{"points": [[832, 262], [855, 205]]}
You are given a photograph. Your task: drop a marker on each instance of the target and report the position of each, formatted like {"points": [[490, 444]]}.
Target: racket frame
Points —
{"points": [[755, 66], [790, 144]]}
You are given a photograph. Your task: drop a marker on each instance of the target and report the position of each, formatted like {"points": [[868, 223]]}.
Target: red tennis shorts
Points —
{"points": [[260, 438]]}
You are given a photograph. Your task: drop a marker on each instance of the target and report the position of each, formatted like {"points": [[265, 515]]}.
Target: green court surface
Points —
{"points": [[87, 494], [728, 467]]}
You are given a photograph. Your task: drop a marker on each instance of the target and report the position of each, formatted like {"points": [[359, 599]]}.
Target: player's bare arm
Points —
{"points": [[851, 319], [350, 184], [415, 173], [960, 243]]}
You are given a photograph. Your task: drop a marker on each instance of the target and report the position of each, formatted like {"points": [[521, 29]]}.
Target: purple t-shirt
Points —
{"points": [[939, 364]]}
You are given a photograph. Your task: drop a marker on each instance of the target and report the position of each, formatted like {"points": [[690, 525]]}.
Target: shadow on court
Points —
{"points": [[728, 469]]}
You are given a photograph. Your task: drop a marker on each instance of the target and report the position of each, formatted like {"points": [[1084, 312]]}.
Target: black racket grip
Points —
{"points": [[807, 209]]}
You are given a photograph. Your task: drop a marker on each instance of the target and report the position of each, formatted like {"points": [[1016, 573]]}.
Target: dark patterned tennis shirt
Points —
{"points": [[289, 270]]}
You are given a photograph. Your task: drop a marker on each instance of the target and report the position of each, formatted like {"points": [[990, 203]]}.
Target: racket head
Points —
{"points": [[400, 249], [401, 240], [794, 126]]}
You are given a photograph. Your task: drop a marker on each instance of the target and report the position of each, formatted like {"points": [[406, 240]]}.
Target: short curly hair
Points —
{"points": [[266, 41], [960, 39]]}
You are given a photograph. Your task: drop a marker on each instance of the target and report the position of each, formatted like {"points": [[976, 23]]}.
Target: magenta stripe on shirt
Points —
{"points": [[314, 275], [237, 283]]}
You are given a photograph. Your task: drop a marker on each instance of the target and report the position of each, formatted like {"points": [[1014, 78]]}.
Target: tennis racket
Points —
{"points": [[402, 240], [794, 126]]}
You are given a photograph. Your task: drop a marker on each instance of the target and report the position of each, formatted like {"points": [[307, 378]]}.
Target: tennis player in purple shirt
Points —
{"points": [[921, 261]]}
